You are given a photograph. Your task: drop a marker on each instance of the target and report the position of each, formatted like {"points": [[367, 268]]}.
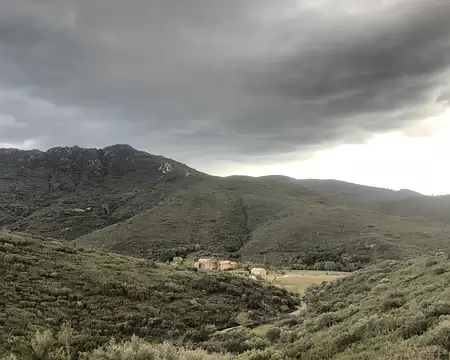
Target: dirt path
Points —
{"points": [[299, 310], [228, 329]]}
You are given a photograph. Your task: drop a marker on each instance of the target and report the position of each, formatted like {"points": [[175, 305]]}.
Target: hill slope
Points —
{"points": [[263, 220], [134, 203], [355, 191], [394, 310], [66, 192], [45, 284]]}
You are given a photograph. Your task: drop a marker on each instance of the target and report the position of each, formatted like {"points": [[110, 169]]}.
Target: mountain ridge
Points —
{"points": [[131, 202]]}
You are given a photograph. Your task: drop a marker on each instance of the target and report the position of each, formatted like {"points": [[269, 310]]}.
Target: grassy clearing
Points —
{"points": [[262, 329], [298, 281]]}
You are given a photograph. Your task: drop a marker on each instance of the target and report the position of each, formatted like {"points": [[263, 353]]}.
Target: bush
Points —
{"points": [[439, 270], [331, 266], [414, 326], [46, 346], [235, 341], [243, 319], [430, 262], [393, 301], [439, 336], [273, 334], [437, 309]]}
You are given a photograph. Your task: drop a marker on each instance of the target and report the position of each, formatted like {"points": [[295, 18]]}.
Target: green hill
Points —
{"points": [[44, 284], [134, 203], [268, 220]]}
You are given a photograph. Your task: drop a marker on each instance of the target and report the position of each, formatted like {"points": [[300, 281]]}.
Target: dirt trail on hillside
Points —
{"points": [[300, 309]]}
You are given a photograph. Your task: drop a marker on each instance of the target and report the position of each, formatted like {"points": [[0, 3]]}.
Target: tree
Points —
{"points": [[243, 319], [318, 266], [330, 266]]}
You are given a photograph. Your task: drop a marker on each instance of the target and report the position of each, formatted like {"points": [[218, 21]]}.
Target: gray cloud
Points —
{"points": [[224, 79]]}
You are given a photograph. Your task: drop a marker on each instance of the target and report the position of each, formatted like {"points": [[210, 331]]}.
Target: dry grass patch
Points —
{"points": [[298, 281]]}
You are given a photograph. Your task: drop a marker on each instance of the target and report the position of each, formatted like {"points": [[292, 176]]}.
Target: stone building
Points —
{"points": [[227, 265], [207, 264]]}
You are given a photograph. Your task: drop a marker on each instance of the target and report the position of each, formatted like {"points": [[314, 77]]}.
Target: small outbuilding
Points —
{"points": [[258, 272]]}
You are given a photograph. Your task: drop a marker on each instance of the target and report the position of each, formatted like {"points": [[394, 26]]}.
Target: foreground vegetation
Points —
{"points": [[60, 346], [391, 311], [45, 284], [394, 310]]}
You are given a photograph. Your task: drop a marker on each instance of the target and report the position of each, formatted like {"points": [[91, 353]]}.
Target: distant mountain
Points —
{"points": [[357, 192], [66, 192], [131, 202]]}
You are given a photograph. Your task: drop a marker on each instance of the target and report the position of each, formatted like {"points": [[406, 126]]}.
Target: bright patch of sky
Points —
{"points": [[416, 158]]}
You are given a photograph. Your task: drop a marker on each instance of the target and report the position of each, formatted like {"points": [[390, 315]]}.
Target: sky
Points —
{"points": [[353, 90]]}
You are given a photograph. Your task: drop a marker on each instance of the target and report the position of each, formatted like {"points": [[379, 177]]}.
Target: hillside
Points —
{"points": [[45, 284], [67, 192], [435, 208], [404, 203], [134, 203], [265, 220], [355, 191], [394, 310], [215, 217]]}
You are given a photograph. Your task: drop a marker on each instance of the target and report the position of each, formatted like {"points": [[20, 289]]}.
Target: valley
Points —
{"points": [[101, 243]]}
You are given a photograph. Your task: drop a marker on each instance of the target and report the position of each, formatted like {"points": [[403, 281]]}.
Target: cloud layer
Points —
{"points": [[220, 79]]}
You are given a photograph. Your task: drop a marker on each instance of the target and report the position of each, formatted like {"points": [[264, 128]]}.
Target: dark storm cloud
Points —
{"points": [[221, 79]]}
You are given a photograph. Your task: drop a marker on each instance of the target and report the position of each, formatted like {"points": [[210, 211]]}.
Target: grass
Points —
{"points": [[261, 330], [298, 281]]}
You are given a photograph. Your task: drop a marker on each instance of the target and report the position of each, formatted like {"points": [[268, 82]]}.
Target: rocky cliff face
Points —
{"points": [[80, 189]]}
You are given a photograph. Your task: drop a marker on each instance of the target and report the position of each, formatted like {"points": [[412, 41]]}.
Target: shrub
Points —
{"points": [[437, 309], [46, 346], [430, 262], [439, 270], [243, 319], [273, 334], [413, 326], [331, 266], [235, 341], [266, 354], [439, 336], [393, 301]]}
